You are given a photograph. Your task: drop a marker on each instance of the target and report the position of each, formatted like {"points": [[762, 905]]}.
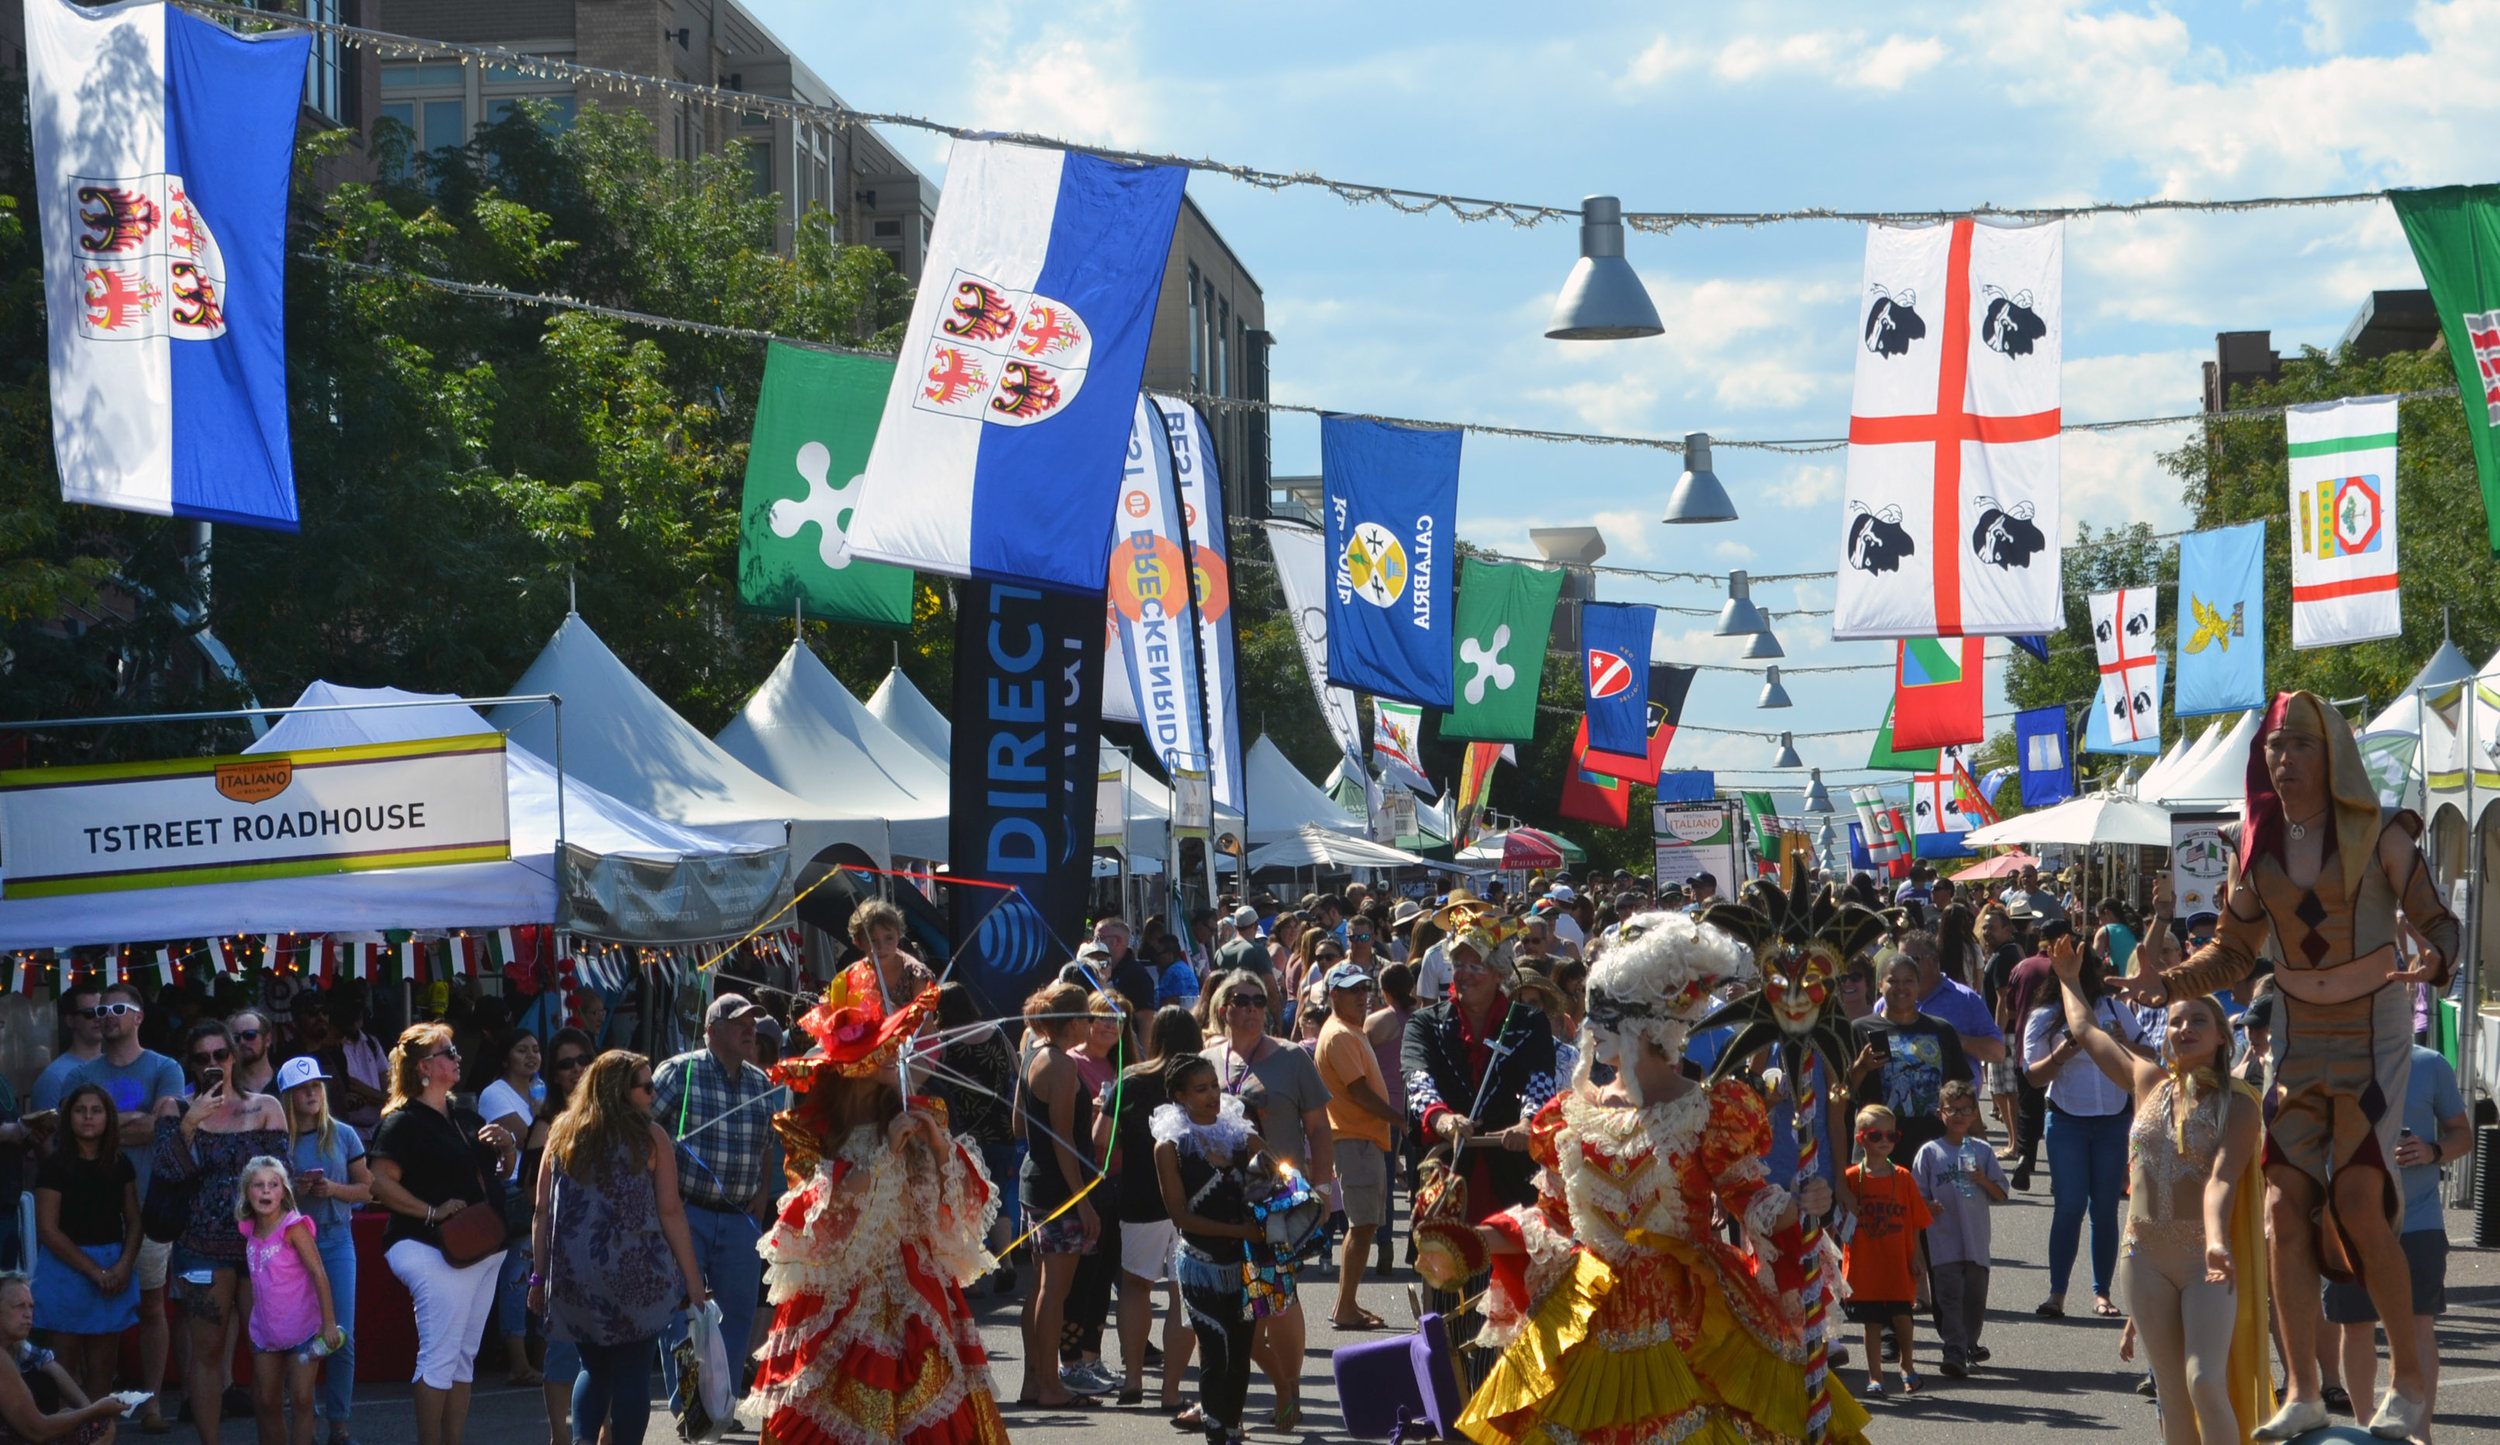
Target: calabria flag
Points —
{"points": [[1003, 441], [163, 146], [1937, 693]]}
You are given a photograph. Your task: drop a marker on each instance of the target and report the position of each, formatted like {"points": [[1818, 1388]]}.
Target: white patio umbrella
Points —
{"points": [[2097, 819], [1313, 846]]}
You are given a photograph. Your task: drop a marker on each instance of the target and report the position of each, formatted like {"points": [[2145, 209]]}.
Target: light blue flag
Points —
{"points": [[2096, 725], [1391, 494], [2222, 620]]}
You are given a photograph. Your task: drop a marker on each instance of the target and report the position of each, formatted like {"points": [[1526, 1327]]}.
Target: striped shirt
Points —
{"points": [[723, 1149]]}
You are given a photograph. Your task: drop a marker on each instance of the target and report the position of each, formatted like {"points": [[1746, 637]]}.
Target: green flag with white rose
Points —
{"points": [[813, 428], [1505, 614], [2455, 231]]}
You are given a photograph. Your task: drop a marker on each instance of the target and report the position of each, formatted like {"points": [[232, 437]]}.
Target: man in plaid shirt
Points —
{"points": [[727, 1166]]}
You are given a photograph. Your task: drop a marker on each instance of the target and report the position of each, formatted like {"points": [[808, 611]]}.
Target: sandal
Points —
{"points": [[2105, 1309], [1363, 1320], [1191, 1418], [1874, 1386], [2050, 1310], [1286, 1418], [1909, 1382]]}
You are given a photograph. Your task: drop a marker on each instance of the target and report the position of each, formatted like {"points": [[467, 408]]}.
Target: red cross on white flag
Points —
{"points": [[2122, 635], [1951, 522]]}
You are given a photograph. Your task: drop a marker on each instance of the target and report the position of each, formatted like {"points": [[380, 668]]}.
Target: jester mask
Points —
{"points": [[1801, 942]]}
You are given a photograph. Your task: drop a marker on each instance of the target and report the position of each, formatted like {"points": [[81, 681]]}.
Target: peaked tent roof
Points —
{"points": [[803, 730], [905, 710], [1311, 846], [1282, 800], [2166, 764], [2404, 715], [2221, 778], [622, 738]]}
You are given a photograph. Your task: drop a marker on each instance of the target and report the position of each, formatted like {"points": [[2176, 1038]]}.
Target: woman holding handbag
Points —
{"points": [[439, 1175]]}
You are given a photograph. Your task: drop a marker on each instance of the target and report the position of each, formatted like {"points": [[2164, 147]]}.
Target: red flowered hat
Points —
{"points": [[858, 1038]]}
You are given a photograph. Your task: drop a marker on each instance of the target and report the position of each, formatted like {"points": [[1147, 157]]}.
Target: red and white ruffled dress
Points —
{"points": [[872, 1340]]}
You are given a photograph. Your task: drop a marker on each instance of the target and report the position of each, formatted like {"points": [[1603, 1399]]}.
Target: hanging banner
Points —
{"points": [[2200, 862], [1614, 671], [1668, 685], [1688, 785], [1951, 512], [111, 826], [1148, 594], [2097, 737], [1505, 617], [1763, 814], [1302, 575], [2342, 456], [1000, 451], [1877, 827], [1938, 692], [814, 424], [1398, 744], [2222, 620], [1118, 703], [1211, 573], [1026, 768], [2455, 231], [2040, 750], [1475, 785], [1392, 511], [1937, 816], [1689, 839], [2122, 635], [163, 146], [1591, 797], [1884, 755]]}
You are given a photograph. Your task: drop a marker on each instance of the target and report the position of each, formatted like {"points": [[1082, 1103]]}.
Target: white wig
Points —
{"points": [[1658, 979]]}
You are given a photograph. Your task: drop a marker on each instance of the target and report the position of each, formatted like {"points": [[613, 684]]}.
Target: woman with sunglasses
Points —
{"points": [[569, 1053], [611, 1231], [428, 1165], [332, 1177]]}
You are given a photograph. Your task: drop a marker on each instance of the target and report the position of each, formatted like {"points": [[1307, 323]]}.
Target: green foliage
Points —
{"points": [[464, 466]]}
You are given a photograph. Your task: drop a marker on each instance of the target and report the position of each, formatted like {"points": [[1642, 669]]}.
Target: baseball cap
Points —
{"points": [[1245, 917], [1348, 975], [302, 1069], [1564, 892], [1699, 879], [729, 1008], [2205, 916]]}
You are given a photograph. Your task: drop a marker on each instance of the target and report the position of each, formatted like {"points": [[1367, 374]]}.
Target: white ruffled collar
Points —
{"points": [[1220, 1140]]}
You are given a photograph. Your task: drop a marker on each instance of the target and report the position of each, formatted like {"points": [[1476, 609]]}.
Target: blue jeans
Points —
{"points": [[512, 1291], [614, 1388], [2087, 1171], [338, 1372], [724, 1249]]}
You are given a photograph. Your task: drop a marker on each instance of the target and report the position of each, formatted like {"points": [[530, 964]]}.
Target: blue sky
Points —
{"points": [[1736, 107]]}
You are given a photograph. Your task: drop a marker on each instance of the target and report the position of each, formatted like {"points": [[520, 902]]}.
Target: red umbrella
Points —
{"points": [[2004, 865], [1527, 848]]}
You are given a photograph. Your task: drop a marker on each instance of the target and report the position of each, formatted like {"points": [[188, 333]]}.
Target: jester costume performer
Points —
{"points": [[1656, 1329], [2343, 1043], [871, 1338]]}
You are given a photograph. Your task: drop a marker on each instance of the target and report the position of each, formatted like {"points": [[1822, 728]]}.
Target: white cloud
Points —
{"points": [[1079, 78], [1898, 61], [1662, 58], [1806, 486], [1747, 56]]}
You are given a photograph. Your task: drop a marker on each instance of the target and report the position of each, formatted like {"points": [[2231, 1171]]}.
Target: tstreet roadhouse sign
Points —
{"points": [[258, 815]]}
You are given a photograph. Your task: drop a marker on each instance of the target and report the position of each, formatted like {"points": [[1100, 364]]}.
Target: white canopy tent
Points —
{"points": [[2100, 818], [1312, 846], [2219, 778], [620, 736], [804, 731], [521, 889], [1282, 800], [2404, 713], [909, 714], [2162, 766]]}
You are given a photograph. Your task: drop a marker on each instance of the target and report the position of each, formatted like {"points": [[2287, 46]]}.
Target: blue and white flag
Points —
{"points": [[2222, 620], [163, 148], [999, 455], [2043, 751], [1148, 593], [1614, 657], [1210, 562], [1392, 512], [2098, 736]]}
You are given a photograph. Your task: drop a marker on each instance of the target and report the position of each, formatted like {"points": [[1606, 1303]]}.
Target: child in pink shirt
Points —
{"points": [[293, 1321]]}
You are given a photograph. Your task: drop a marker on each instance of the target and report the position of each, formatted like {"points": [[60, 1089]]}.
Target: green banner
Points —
{"points": [[813, 428], [1505, 614], [2455, 231], [1883, 756], [1766, 826]]}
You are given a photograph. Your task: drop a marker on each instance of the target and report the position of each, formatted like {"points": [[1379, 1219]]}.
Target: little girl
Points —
{"points": [[1203, 1148], [293, 1322]]}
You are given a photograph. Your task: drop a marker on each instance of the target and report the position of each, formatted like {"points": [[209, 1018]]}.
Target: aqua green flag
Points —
{"points": [[1505, 614], [813, 427], [1764, 811], [2455, 231], [1883, 756]]}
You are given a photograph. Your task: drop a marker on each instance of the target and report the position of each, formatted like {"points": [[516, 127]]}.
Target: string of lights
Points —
{"points": [[1409, 200]]}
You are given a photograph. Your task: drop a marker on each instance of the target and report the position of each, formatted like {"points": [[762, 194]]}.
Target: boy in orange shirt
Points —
{"points": [[1880, 1255]]}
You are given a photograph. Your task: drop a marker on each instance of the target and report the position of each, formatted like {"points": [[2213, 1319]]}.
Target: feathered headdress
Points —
{"points": [[1801, 940]]}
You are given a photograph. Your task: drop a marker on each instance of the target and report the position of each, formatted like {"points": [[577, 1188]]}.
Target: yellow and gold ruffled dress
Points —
{"points": [[1660, 1331]]}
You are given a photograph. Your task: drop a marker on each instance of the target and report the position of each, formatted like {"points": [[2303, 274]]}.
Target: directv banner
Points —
{"points": [[1027, 768], [259, 815]]}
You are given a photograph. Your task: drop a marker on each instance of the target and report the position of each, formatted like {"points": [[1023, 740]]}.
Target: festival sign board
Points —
{"points": [[113, 826], [2200, 862], [1694, 838]]}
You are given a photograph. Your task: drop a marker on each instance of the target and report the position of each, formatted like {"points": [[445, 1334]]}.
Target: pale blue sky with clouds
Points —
{"points": [[1728, 107]]}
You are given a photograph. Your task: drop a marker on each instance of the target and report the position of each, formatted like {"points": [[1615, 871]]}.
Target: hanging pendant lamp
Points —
{"points": [[1740, 618], [1698, 497], [1765, 643], [1788, 753], [1819, 800], [1773, 695], [1603, 298]]}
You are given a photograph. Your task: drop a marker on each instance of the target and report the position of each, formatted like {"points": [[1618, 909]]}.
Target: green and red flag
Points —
{"points": [[1885, 755], [1937, 692], [2455, 231]]}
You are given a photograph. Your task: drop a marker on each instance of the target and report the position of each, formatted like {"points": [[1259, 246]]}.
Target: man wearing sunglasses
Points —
{"points": [[255, 1072], [136, 1078], [82, 1038]]}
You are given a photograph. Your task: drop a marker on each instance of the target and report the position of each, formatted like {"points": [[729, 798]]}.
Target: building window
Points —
{"points": [[884, 229], [430, 98], [1223, 351], [1197, 335], [325, 80], [500, 85]]}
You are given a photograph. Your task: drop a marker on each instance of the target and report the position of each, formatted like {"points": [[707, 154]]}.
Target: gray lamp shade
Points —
{"points": [[1788, 753], [1819, 800], [1765, 644], [1698, 497], [1603, 299], [1740, 618], [1773, 695]]}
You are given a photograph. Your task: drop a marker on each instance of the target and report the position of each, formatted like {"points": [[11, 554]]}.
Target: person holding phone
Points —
{"points": [[1905, 1055]]}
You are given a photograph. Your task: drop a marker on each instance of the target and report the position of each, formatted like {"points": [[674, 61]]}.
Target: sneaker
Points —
{"points": [[2399, 1418], [2144, 1387], [1953, 1368], [1087, 1379]]}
